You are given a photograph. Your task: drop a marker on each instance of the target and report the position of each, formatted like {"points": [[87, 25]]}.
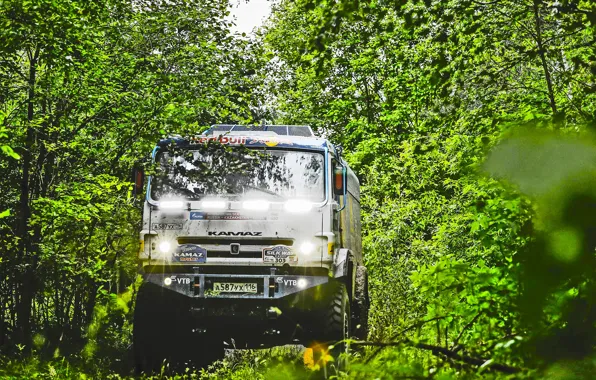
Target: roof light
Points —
{"points": [[213, 205], [171, 204], [298, 206], [256, 205]]}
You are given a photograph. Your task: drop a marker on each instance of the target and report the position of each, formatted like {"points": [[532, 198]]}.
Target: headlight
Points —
{"points": [[298, 206], [165, 246], [171, 205], [213, 205], [307, 248], [256, 205]]}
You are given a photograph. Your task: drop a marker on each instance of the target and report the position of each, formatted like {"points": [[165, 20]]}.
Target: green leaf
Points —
{"points": [[9, 152]]}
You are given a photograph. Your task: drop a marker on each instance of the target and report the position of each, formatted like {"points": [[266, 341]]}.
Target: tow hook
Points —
{"points": [[197, 311], [273, 312]]}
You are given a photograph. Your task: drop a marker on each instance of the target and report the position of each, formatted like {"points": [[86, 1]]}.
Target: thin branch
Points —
{"points": [[442, 351], [572, 9], [542, 54], [467, 326], [564, 35], [15, 68], [488, 3], [416, 325]]}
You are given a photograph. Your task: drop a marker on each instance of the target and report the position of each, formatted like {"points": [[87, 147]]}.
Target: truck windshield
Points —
{"points": [[219, 171]]}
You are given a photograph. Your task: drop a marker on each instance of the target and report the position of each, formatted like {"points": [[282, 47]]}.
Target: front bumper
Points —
{"points": [[201, 286], [281, 312]]}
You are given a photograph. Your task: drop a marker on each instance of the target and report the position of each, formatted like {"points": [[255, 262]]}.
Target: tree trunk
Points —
{"points": [[542, 54], [25, 244]]}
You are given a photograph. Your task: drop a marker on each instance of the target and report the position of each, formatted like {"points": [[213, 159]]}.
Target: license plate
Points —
{"points": [[235, 287]]}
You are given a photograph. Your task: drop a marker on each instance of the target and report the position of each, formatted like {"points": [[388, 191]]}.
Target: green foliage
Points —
{"points": [[86, 88], [418, 93], [557, 282], [478, 268], [109, 335]]}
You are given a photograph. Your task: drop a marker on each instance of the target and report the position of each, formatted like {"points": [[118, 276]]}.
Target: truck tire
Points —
{"points": [[360, 304], [162, 333], [145, 330], [338, 324]]}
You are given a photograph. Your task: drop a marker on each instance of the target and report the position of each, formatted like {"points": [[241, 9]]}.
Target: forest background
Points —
{"points": [[468, 122]]}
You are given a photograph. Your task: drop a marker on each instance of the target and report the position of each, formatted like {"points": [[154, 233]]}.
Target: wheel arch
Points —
{"points": [[344, 269]]}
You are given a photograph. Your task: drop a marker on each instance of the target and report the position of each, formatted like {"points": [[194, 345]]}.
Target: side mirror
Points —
{"points": [[138, 179], [339, 180]]}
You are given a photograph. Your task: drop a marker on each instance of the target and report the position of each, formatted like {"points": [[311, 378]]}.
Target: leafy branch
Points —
{"points": [[442, 352]]}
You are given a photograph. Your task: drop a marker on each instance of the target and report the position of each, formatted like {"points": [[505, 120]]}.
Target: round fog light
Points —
{"points": [[165, 246], [307, 248], [167, 281], [301, 283]]}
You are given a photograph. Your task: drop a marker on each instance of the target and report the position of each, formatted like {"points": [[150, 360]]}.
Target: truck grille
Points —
{"points": [[243, 254], [250, 247]]}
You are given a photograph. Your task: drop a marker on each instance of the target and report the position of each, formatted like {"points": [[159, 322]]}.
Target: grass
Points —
{"points": [[276, 363]]}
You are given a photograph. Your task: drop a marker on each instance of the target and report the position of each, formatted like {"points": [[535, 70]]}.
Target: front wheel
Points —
{"points": [[360, 304], [338, 325], [163, 333], [146, 344]]}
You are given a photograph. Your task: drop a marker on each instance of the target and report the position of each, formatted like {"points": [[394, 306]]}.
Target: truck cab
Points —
{"points": [[250, 238]]}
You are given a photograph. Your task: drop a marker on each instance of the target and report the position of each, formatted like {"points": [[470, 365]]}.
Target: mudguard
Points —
{"points": [[341, 263]]}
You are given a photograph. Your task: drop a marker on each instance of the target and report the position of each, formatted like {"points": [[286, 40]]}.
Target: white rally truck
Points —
{"points": [[250, 238]]}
